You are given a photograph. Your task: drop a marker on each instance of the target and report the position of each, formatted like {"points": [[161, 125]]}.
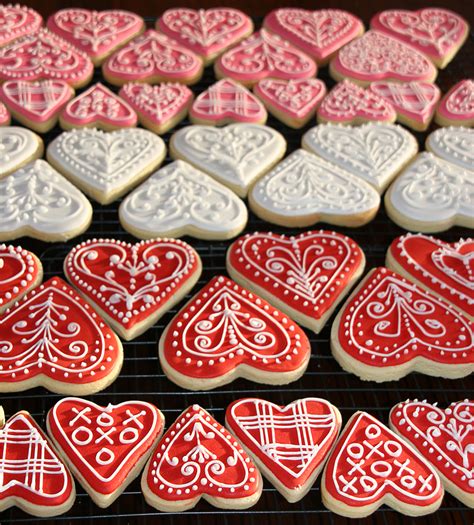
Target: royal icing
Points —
{"points": [[349, 103], [44, 55], [207, 32], [96, 33], [196, 457], [16, 21], [457, 106], [375, 152], [319, 33], [20, 271], [54, 338], [153, 57], [391, 322], [17, 146], [235, 155], [131, 282], [36, 198], [292, 441], [443, 437], [4, 115], [98, 107], [371, 465], [378, 56], [263, 55], [305, 273], [306, 185], [224, 327], [104, 444], [179, 199], [454, 144], [227, 101], [444, 268]]}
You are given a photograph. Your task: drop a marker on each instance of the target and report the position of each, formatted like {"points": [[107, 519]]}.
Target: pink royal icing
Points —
{"points": [[16, 21], [458, 103], [4, 115]]}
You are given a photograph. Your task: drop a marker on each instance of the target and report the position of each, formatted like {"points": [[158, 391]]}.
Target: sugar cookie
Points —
{"points": [[18, 146], [457, 106]]}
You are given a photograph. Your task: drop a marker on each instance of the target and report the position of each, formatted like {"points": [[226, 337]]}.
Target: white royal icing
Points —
{"points": [[17, 145], [454, 144]]}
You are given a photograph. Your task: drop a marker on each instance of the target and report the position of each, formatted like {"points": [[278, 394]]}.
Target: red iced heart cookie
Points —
{"points": [[305, 276], [225, 332], [371, 465], [55, 339], [133, 284], [104, 445], [16, 21], [443, 268], [32, 476], [289, 443], [457, 106], [390, 327], [318, 33], [4, 115], [197, 458], [444, 437]]}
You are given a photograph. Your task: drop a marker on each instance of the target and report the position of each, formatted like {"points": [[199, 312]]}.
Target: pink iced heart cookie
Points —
{"points": [[96, 33], [104, 446], [98, 107], [36, 104], [457, 106], [414, 102], [44, 55], [371, 465], [294, 102], [437, 33], [225, 102], [290, 444], [16, 21], [207, 32], [264, 55], [153, 57], [160, 107], [348, 103], [378, 56], [4, 115], [319, 33], [443, 437]]}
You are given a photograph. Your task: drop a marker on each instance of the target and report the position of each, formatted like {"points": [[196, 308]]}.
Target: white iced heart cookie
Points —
{"points": [[454, 144], [181, 200], [375, 152], [304, 189], [37, 201], [235, 155], [18, 146], [431, 195], [105, 165]]}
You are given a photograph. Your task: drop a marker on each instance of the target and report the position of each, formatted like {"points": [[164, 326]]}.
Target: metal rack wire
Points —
{"points": [[142, 378]]}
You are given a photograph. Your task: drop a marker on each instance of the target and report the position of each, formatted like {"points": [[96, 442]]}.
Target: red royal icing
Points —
{"points": [[458, 103], [198, 456], [372, 465], [104, 443], [4, 115], [446, 269], [16, 21], [292, 441]]}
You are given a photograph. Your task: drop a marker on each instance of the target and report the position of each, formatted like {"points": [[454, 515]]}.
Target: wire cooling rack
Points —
{"points": [[142, 378]]}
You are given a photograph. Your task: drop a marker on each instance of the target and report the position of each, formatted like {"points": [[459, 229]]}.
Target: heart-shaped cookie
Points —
{"points": [[264, 55], [304, 275], [132, 285], [390, 327], [4, 115], [378, 56], [235, 155], [375, 152], [53, 338], [32, 475], [106, 165], [443, 437], [443, 268], [18, 146], [225, 332], [16, 21], [291, 443], [437, 33], [457, 106], [104, 446], [304, 189], [454, 144], [96, 33], [197, 458], [207, 32], [319, 33], [181, 200], [370, 466]]}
